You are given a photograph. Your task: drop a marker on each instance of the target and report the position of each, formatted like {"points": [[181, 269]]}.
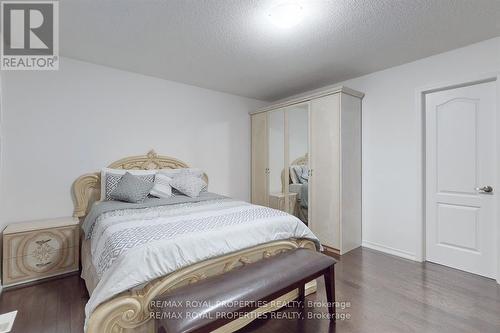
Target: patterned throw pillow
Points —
{"points": [[302, 172], [293, 175], [188, 185], [182, 171], [111, 177], [195, 172], [162, 188], [132, 189]]}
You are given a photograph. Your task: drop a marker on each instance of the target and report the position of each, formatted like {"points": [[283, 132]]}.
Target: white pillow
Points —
{"points": [[162, 188], [182, 171], [188, 185], [111, 177], [195, 172]]}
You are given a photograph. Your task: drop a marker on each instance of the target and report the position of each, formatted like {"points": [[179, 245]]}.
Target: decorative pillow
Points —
{"points": [[162, 188], [195, 172], [293, 175], [111, 177], [182, 171], [132, 189], [302, 172], [188, 185]]}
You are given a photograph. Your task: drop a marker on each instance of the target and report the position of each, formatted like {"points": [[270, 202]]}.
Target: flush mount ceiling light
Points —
{"points": [[286, 15]]}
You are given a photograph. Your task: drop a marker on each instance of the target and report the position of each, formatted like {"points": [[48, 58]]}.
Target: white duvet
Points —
{"points": [[131, 247]]}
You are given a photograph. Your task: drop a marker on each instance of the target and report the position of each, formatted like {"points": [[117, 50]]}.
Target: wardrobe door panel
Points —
{"points": [[259, 159], [298, 160], [351, 173], [276, 157], [324, 203]]}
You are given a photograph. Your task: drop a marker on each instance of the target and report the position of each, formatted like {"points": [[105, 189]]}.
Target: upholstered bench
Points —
{"points": [[211, 303]]}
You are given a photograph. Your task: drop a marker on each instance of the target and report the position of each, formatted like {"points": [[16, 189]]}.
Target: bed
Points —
{"points": [[121, 289]]}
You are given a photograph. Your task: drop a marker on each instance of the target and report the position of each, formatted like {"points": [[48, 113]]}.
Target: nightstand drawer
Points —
{"points": [[40, 241], [34, 250], [41, 263]]}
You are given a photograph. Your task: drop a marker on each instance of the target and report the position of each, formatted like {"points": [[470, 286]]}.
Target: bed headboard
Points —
{"points": [[87, 188]]}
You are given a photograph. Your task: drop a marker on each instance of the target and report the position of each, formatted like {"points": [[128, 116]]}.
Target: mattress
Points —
{"points": [[89, 274]]}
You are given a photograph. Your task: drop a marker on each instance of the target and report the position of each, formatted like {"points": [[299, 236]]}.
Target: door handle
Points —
{"points": [[485, 189]]}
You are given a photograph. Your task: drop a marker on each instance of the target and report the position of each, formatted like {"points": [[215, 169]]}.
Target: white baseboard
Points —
{"points": [[390, 250]]}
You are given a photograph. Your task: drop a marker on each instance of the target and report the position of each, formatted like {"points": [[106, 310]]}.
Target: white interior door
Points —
{"points": [[461, 177]]}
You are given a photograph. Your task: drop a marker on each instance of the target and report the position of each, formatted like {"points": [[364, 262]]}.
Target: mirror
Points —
{"points": [[298, 160]]}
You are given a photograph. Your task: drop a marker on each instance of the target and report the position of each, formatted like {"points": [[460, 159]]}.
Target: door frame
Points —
{"points": [[420, 95]]}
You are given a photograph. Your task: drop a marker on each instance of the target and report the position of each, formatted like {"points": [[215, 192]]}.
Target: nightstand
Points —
{"points": [[39, 249], [277, 201]]}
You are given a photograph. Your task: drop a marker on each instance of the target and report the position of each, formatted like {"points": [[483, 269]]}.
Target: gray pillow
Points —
{"points": [[188, 185], [302, 172], [131, 188], [111, 182]]}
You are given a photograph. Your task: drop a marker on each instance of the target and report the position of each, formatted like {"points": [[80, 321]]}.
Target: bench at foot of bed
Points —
{"points": [[213, 302]]}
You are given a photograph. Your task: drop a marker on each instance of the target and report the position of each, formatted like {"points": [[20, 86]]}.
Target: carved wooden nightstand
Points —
{"points": [[39, 249], [277, 201]]}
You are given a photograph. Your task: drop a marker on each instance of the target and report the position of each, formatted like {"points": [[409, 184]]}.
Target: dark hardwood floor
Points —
{"points": [[56, 306], [386, 294]]}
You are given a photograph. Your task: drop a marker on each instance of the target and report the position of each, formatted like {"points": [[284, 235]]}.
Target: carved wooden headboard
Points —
{"points": [[87, 188]]}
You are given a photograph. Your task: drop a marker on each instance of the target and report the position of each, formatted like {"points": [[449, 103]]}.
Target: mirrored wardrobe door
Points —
{"points": [[296, 182], [276, 158]]}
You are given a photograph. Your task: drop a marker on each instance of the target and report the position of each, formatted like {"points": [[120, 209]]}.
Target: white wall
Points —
{"points": [[57, 125], [391, 155]]}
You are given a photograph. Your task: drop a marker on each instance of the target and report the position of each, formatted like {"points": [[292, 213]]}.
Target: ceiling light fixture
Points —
{"points": [[286, 15]]}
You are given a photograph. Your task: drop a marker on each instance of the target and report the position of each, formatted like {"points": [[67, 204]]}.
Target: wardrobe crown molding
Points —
{"points": [[301, 98]]}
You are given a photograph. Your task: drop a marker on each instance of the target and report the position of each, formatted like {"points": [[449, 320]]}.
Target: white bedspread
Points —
{"points": [[131, 247]]}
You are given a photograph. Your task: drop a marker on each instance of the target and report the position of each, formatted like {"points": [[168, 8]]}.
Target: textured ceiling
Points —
{"points": [[231, 45]]}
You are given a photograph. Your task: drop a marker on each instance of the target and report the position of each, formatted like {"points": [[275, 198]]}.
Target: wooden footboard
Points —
{"points": [[130, 312]]}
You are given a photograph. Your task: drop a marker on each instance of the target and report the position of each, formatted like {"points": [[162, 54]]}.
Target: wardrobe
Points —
{"points": [[306, 160]]}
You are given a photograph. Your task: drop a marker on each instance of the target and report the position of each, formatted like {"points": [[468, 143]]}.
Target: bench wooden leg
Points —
{"points": [[302, 295], [330, 290]]}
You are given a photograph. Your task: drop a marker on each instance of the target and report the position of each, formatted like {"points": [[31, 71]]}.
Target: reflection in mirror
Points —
{"points": [[298, 148]]}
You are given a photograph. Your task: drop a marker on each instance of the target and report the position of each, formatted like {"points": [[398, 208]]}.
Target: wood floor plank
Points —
{"points": [[386, 293]]}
